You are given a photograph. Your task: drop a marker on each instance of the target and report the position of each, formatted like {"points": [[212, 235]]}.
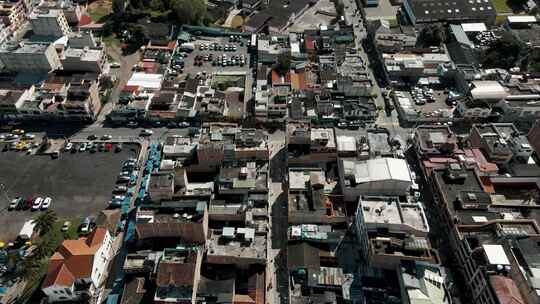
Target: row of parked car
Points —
{"points": [[31, 203], [92, 147], [125, 179]]}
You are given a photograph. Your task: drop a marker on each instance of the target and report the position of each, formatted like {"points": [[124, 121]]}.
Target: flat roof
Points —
{"points": [[148, 81], [474, 27], [496, 254]]}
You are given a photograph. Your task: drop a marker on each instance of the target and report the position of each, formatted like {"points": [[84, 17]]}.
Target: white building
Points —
{"points": [[78, 267], [380, 176], [30, 58], [49, 23], [83, 60]]}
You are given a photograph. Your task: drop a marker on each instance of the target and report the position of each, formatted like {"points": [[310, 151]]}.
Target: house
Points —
{"points": [[78, 268], [178, 275]]}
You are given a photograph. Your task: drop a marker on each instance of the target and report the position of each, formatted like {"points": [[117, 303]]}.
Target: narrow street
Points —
{"points": [[276, 267], [122, 76]]}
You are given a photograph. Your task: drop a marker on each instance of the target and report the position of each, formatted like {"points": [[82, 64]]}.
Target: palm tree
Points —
{"points": [[44, 222]]}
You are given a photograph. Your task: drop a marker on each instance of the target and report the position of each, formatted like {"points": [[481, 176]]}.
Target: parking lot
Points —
{"points": [[79, 184], [436, 107], [189, 62]]}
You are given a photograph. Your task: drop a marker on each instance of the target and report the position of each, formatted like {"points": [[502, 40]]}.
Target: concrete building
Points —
{"points": [[49, 22], [78, 268], [178, 275], [83, 60], [11, 102], [434, 141], [381, 219], [71, 9], [427, 11], [500, 142], [534, 137], [12, 14], [380, 176], [30, 58]]}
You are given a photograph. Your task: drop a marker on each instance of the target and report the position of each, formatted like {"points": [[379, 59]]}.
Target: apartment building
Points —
{"points": [[30, 58], [49, 22]]}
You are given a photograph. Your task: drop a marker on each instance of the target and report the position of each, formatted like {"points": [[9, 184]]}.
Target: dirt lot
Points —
{"points": [[79, 184]]}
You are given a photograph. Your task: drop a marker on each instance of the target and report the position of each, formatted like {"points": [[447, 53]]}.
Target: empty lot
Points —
{"points": [[79, 184]]}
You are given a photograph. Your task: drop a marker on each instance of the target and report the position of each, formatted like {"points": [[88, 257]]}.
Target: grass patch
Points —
{"points": [[51, 241], [500, 19], [98, 15], [501, 6], [111, 41], [393, 22]]}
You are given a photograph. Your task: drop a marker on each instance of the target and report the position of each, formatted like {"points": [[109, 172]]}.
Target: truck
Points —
{"points": [[27, 230], [188, 47]]}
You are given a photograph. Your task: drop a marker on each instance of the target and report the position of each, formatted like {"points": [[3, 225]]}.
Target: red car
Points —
{"points": [[28, 203]]}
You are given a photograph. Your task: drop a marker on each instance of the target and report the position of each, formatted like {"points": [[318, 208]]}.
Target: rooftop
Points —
{"points": [[389, 211], [235, 244]]}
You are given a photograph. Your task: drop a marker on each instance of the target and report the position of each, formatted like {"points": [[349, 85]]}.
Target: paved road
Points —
{"points": [[354, 17], [276, 269], [122, 76]]}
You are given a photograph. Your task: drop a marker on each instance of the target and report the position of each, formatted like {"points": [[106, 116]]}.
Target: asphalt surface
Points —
{"points": [[79, 184]]}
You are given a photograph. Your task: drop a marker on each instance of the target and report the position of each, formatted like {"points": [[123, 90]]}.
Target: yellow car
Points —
{"points": [[18, 131], [19, 146]]}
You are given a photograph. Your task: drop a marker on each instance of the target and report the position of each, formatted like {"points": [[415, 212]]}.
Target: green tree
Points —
{"points": [[44, 222], [283, 63], [118, 7], [189, 11], [503, 53], [432, 35], [157, 5]]}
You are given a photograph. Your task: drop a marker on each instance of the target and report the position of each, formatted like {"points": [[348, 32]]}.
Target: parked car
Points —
{"points": [[28, 202], [118, 197], [146, 132], [106, 137], [28, 136], [92, 137], [46, 203], [119, 189], [65, 226], [37, 203], [132, 124], [118, 147], [15, 203], [18, 132], [86, 225], [68, 146], [82, 147]]}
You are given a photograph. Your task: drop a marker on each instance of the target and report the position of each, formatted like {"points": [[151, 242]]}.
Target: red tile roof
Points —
{"points": [[298, 81], [74, 259], [280, 79], [85, 20], [176, 274], [310, 45], [506, 290]]}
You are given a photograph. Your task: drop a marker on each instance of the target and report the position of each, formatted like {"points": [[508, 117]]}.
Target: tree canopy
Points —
{"points": [[432, 35], [503, 53], [189, 11]]}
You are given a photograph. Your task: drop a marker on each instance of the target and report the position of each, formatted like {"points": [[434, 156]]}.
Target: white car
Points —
{"points": [[106, 137], [68, 146], [146, 132], [82, 148], [46, 203], [118, 197], [37, 203], [29, 136]]}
